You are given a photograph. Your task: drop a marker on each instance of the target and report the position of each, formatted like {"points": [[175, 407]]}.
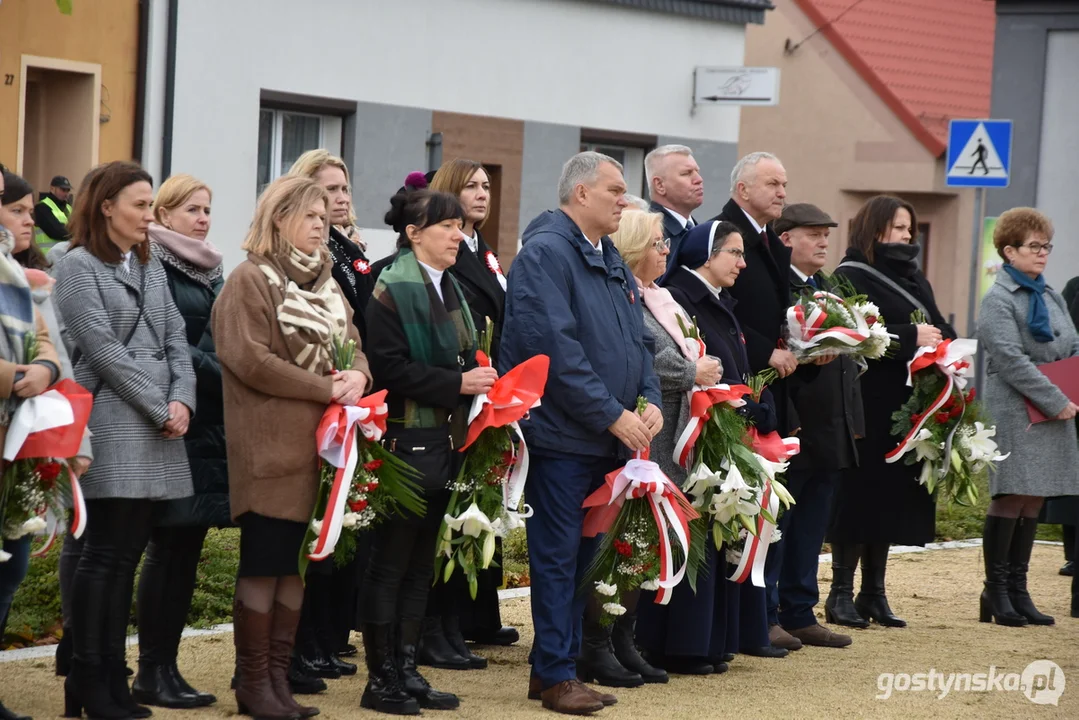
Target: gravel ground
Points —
{"points": [[936, 592]]}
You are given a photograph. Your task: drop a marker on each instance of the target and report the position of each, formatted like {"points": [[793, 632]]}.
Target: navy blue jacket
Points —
{"points": [[583, 310]]}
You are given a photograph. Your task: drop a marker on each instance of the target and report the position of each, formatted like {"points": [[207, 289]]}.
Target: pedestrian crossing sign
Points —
{"points": [[979, 153]]}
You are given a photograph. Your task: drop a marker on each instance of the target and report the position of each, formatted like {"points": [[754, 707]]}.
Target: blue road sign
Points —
{"points": [[979, 153]]}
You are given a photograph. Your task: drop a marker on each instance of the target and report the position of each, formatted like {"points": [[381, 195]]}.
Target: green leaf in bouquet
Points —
{"points": [[344, 353], [30, 347], [398, 480]]}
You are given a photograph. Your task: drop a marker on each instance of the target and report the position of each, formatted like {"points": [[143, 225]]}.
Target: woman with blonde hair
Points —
{"points": [[275, 323], [331, 593], [178, 238]]}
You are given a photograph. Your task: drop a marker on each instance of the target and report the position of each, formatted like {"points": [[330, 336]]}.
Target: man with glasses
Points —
{"points": [[676, 188]]}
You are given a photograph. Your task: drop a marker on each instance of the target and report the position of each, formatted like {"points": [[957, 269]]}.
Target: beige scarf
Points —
{"points": [[310, 309]]}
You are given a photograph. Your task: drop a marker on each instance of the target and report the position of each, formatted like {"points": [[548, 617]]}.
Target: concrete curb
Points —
{"points": [[48, 651]]}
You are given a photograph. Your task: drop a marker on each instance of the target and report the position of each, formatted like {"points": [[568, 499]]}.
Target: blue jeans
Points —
{"points": [[12, 573], [791, 567], [558, 557]]}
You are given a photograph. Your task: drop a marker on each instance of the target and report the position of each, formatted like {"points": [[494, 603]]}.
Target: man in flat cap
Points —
{"points": [[828, 403]]}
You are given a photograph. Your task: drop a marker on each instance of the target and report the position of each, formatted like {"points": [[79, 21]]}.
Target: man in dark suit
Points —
{"points": [[827, 399], [676, 188], [758, 190]]}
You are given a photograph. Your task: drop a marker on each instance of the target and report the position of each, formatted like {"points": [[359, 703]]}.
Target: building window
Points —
{"points": [[284, 135], [632, 159]]}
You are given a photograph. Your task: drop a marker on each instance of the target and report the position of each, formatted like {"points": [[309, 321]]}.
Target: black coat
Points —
{"points": [[720, 330], [671, 228], [763, 294], [48, 223], [880, 502], [353, 273], [205, 439], [828, 400], [485, 296]]}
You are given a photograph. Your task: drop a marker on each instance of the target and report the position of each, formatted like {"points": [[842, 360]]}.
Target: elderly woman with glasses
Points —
{"points": [[1024, 323]]}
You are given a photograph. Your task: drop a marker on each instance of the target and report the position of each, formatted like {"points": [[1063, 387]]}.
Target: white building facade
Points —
{"points": [[237, 90]]}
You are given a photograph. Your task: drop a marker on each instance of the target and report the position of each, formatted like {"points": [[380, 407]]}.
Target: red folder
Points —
{"points": [[1065, 375]]}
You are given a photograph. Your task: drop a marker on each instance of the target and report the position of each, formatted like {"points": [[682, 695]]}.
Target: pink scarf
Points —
{"points": [[200, 253], [666, 310]]}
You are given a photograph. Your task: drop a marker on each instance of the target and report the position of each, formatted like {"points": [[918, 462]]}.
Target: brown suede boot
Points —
{"points": [[255, 694], [571, 697], [282, 638]]}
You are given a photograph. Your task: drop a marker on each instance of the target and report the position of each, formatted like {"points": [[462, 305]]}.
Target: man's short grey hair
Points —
{"points": [[637, 202], [742, 167], [652, 160], [581, 169]]}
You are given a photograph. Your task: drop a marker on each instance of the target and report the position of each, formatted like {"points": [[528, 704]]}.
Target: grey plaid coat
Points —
{"points": [[99, 302]]}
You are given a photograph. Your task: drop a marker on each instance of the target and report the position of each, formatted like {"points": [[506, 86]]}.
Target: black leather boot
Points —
{"points": [[1075, 596], [451, 626], [6, 714], [154, 685], [205, 699], [63, 654], [116, 672], [625, 649], [86, 688], [435, 650], [1018, 564], [385, 692], [597, 662], [994, 603], [414, 683], [839, 607], [872, 602]]}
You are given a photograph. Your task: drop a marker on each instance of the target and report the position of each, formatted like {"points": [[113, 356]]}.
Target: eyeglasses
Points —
{"points": [[1037, 248], [661, 245], [738, 254]]}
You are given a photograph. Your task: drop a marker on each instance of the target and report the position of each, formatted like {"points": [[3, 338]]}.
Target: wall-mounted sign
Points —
{"points": [[736, 86]]}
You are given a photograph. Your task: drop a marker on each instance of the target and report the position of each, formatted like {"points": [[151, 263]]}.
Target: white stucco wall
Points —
{"points": [[558, 61]]}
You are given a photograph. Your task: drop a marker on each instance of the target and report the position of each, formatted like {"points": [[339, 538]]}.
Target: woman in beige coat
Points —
{"points": [[274, 324]]}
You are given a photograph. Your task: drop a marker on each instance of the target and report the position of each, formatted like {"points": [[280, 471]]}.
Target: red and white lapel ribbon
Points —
{"points": [[48, 411], [954, 359], [339, 445], [808, 325], [644, 479], [701, 401]]}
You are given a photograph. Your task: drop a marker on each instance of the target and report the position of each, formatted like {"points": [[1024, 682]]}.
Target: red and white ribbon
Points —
{"points": [[806, 330], [494, 266], [755, 549], [78, 511], [954, 359], [644, 479], [339, 445], [701, 401]]}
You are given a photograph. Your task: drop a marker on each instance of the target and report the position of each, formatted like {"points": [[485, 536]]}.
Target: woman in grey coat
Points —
{"points": [[644, 249], [131, 353], [1024, 323]]}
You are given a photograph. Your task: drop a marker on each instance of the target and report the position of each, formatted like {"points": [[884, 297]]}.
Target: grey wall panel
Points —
{"points": [[383, 144], [546, 148], [716, 159]]}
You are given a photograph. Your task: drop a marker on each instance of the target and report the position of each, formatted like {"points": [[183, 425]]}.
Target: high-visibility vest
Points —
{"points": [[44, 242]]}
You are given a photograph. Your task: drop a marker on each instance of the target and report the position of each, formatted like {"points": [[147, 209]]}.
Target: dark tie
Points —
{"points": [[767, 246], [812, 282]]}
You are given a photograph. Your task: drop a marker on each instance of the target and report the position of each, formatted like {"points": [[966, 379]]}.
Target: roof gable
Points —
{"points": [[929, 60]]}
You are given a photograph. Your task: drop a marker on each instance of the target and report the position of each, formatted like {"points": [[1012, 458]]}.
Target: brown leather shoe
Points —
{"points": [[282, 638], [535, 690], [782, 639], [571, 697], [606, 698], [820, 636]]}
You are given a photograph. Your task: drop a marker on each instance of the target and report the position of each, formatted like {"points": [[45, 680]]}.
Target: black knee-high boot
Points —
{"points": [[872, 602], [994, 603], [1018, 564], [839, 607]]}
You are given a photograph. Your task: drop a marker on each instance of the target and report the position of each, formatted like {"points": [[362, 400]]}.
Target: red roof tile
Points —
{"points": [[930, 60]]}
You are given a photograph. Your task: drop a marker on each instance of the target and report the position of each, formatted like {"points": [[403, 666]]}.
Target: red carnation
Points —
{"points": [[942, 417], [623, 548], [870, 319], [970, 395], [48, 472], [372, 486], [372, 466], [358, 506], [915, 418], [956, 412]]}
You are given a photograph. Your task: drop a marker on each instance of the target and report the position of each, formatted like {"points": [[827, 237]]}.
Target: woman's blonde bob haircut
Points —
{"points": [[311, 162], [454, 175], [176, 191], [281, 203], [634, 235]]}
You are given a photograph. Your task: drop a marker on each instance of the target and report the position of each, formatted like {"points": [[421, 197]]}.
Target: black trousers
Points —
{"points": [[402, 563], [166, 586], [116, 535], [478, 617]]}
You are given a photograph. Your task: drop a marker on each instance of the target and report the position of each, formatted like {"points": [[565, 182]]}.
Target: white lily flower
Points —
{"points": [[471, 522], [614, 608], [770, 468], [926, 474], [980, 446], [734, 497], [604, 589], [33, 526], [488, 550], [924, 447], [650, 585], [349, 520], [701, 480]]}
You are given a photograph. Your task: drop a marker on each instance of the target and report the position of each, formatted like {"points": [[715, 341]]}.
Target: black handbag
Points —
{"points": [[428, 450]]}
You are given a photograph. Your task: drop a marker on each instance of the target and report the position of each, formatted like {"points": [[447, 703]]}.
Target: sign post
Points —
{"points": [[979, 156]]}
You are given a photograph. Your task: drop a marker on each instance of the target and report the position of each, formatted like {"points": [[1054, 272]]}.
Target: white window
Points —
{"points": [[632, 159], [284, 135]]}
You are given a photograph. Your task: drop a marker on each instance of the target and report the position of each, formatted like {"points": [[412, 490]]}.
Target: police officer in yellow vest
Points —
{"points": [[51, 214]]}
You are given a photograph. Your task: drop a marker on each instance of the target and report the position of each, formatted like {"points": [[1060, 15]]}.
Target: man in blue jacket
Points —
{"points": [[572, 298]]}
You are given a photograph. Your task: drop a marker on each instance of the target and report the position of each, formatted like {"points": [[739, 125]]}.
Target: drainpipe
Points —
{"points": [[170, 90], [140, 80]]}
